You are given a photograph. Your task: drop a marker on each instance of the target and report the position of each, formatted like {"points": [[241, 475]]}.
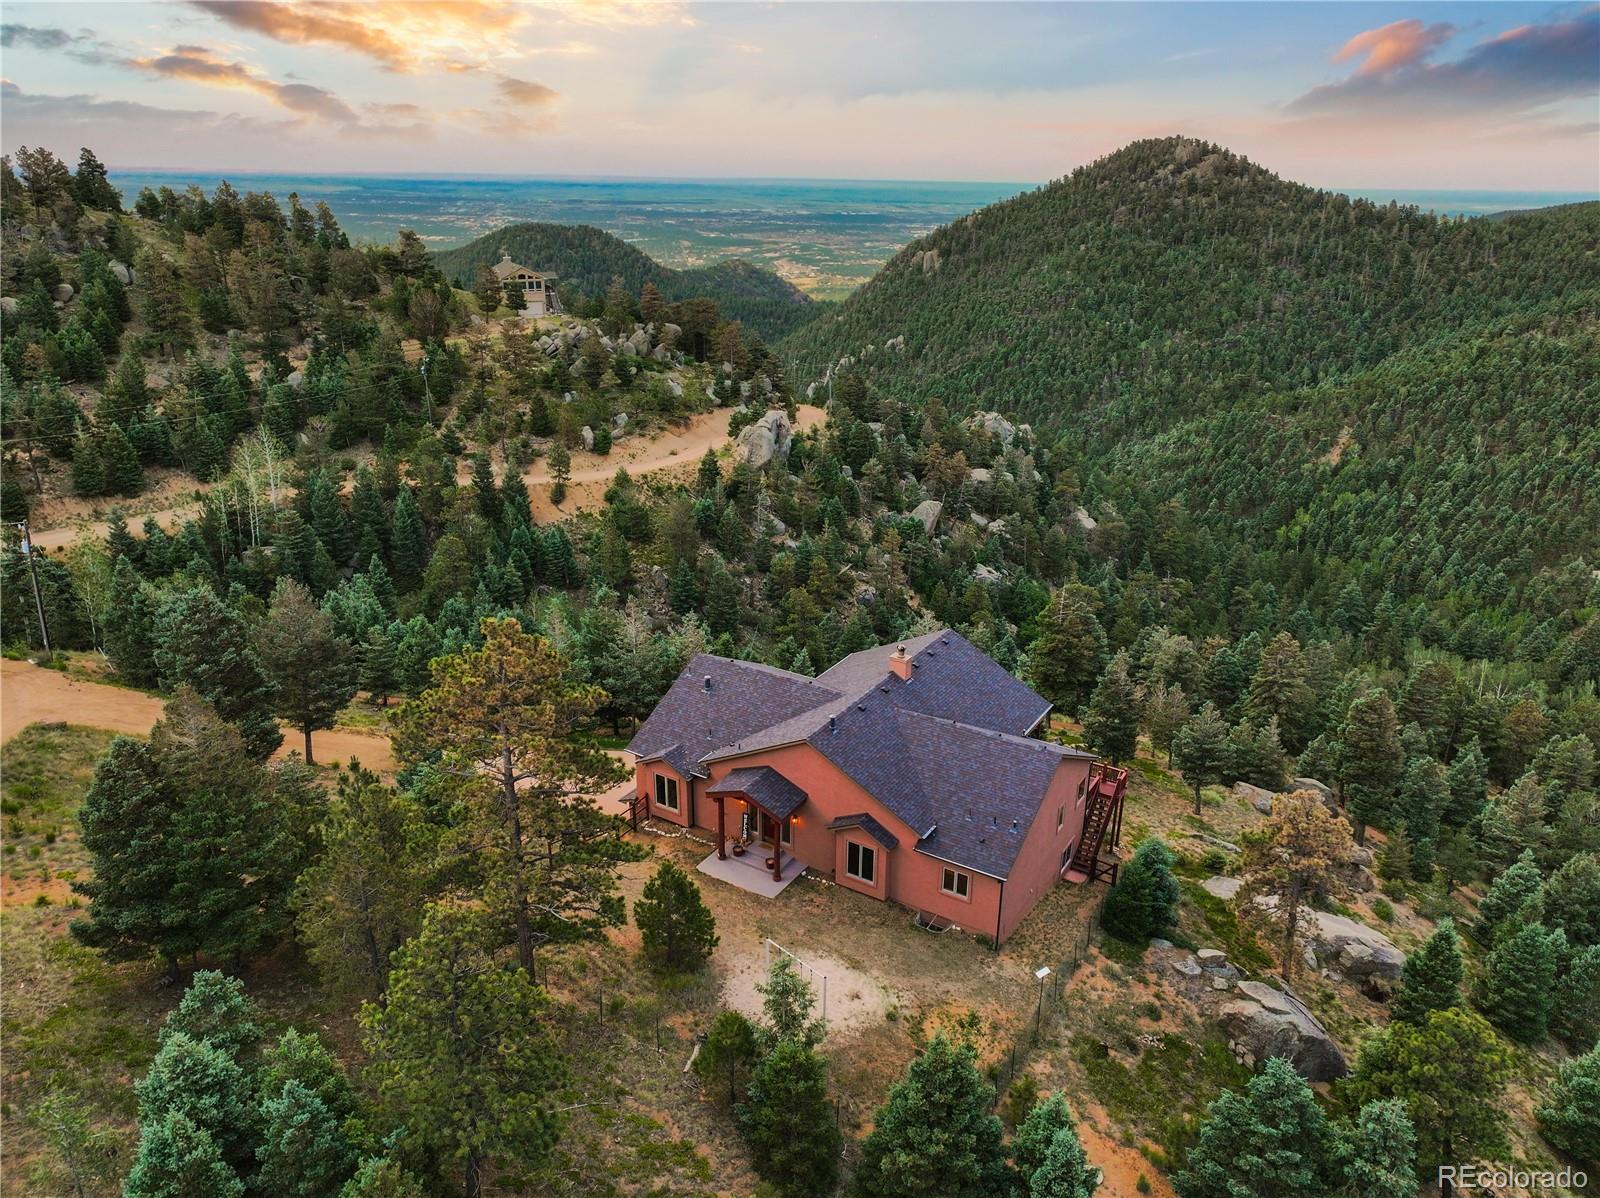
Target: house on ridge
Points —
{"points": [[909, 773], [538, 294]]}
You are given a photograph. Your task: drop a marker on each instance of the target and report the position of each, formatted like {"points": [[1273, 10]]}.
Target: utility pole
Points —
{"points": [[33, 577]]}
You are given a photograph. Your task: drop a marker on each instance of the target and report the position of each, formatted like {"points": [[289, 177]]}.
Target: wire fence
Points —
{"points": [[1014, 1058]]}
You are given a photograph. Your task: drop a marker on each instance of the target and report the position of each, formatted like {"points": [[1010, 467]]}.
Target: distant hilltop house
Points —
{"points": [[909, 773], [538, 295]]}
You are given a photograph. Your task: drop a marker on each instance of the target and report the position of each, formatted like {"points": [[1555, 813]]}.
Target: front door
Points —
{"points": [[769, 829]]}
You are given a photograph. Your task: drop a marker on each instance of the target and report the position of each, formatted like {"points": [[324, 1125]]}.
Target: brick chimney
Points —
{"points": [[900, 664]]}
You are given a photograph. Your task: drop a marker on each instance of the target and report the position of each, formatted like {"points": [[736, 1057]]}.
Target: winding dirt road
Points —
{"points": [[31, 695], [591, 473]]}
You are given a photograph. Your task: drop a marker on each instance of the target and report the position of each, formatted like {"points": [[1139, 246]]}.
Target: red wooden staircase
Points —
{"points": [[1107, 785]]}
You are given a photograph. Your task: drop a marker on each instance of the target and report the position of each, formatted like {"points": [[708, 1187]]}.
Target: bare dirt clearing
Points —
{"points": [[30, 694], [64, 518], [853, 999]]}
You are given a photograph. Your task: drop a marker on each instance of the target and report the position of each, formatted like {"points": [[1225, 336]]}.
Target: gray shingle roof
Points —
{"points": [[945, 752], [775, 794], [870, 826]]}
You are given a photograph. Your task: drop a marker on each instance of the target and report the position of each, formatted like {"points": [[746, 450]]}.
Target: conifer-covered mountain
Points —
{"points": [[1173, 277], [587, 259], [1269, 385]]}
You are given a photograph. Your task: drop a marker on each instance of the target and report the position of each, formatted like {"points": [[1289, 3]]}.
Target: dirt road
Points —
{"points": [[591, 474], [31, 695]]}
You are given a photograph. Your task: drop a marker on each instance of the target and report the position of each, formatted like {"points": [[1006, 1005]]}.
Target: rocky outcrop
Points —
{"points": [[985, 574], [768, 438], [1262, 1023], [1353, 948], [994, 424], [587, 434], [1335, 942], [121, 272], [928, 512], [1084, 520], [1258, 797], [63, 292]]}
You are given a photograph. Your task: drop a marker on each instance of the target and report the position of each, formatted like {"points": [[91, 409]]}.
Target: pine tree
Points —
{"points": [[128, 819], [1111, 721], [1065, 661], [1047, 1156], [1468, 780], [1518, 982], [215, 1009], [722, 608], [786, 1001], [303, 1058], [203, 644], [1512, 891], [380, 1177], [936, 1136], [1381, 1159], [1066, 1172], [201, 1082], [1516, 821], [312, 671], [130, 627], [362, 898], [1166, 710], [1575, 1010], [1451, 1073], [408, 543], [508, 715], [1371, 760], [461, 1051], [177, 1159], [1279, 689], [1299, 852], [730, 1049], [1572, 899], [304, 1152], [1569, 1117], [1431, 979], [487, 290], [1270, 1141], [788, 1122], [1144, 902], [1201, 750], [677, 927]]}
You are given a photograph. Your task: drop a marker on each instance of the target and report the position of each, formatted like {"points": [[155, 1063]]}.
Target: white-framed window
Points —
{"points": [[1066, 854], [861, 862], [666, 792], [1083, 788], [1061, 818], [957, 883]]}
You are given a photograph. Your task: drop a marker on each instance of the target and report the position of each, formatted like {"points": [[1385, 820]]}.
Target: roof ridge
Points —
{"points": [[1029, 742]]}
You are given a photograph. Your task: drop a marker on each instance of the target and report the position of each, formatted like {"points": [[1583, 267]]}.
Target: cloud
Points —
{"points": [[81, 46], [1396, 45], [400, 35], [196, 64], [1514, 73], [525, 92]]}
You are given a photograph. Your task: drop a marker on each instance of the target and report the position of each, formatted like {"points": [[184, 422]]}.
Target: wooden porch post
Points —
{"points": [[777, 849], [722, 839]]}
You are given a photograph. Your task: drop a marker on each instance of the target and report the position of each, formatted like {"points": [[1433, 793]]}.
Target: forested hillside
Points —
{"points": [[1333, 407], [1309, 490], [586, 260]]}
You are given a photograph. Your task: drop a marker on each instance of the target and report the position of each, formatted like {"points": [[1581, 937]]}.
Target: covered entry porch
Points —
{"points": [[754, 806]]}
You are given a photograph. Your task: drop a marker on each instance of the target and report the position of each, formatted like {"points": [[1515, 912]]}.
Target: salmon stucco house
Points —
{"points": [[907, 772]]}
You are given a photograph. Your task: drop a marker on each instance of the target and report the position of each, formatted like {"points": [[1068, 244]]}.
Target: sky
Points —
{"points": [[1354, 95]]}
